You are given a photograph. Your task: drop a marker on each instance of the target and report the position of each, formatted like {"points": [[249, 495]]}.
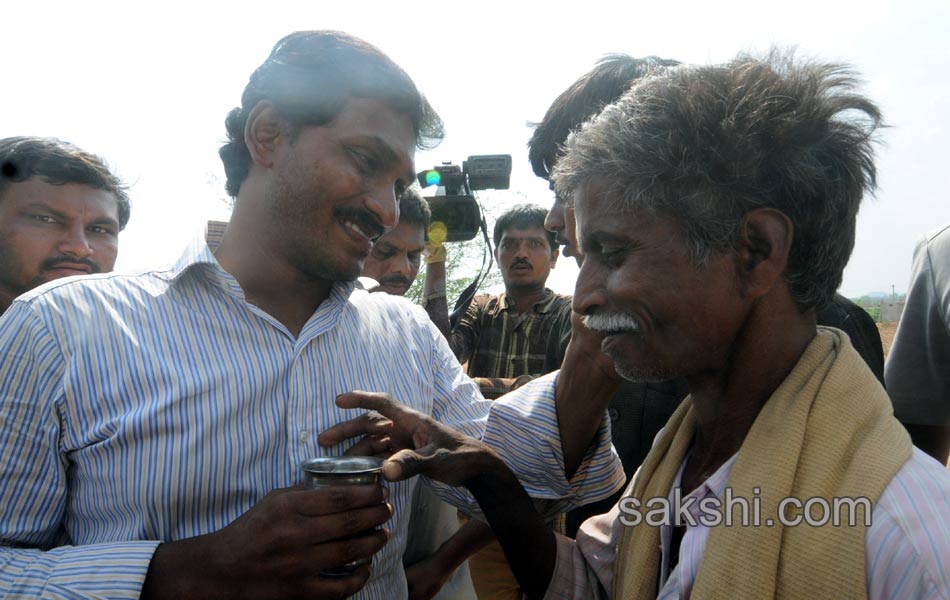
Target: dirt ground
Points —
{"points": [[887, 335]]}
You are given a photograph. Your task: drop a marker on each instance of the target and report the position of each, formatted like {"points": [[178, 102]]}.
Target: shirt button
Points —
{"points": [[304, 437], [613, 413]]}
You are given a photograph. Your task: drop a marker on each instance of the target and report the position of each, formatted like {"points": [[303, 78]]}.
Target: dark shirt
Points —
{"points": [[500, 343], [847, 316]]}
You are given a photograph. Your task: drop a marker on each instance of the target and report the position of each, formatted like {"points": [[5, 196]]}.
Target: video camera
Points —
{"points": [[454, 203]]}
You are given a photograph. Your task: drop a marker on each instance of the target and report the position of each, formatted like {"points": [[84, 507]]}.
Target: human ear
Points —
{"points": [[262, 132], [765, 239]]}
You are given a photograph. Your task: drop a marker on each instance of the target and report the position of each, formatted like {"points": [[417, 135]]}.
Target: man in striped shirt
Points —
{"points": [[152, 425]]}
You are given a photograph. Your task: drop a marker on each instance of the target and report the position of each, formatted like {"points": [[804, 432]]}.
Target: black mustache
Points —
{"points": [[53, 263], [520, 261], [396, 280]]}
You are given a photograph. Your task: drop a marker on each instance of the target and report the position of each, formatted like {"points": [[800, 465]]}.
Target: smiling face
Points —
{"points": [[395, 259], [525, 257], [52, 231], [333, 189], [664, 316]]}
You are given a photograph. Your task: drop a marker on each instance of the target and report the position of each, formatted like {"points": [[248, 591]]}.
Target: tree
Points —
{"points": [[464, 260], [462, 264]]}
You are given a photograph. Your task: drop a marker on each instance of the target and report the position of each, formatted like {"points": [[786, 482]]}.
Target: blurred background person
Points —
{"points": [[61, 211]]}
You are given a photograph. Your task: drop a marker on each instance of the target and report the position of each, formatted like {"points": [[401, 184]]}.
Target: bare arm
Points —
{"points": [[585, 385], [529, 543], [435, 303], [427, 576]]}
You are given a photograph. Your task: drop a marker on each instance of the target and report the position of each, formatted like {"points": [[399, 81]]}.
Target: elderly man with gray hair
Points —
{"points": [[715, 207]]}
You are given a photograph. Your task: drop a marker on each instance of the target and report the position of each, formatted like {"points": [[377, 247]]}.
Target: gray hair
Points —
{"points": [[707, 144]]}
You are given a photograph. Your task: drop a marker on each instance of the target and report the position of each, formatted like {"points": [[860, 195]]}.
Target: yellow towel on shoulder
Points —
{"points": [[828, 431]]}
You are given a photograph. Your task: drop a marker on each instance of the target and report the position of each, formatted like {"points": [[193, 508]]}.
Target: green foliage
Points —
{"points": [[463, 262], [464, 259]]}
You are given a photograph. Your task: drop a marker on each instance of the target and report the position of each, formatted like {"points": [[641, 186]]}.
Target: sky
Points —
{"points": [[147, 86]]}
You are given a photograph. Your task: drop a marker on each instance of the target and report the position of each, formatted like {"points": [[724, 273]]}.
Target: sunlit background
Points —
{"points": [[147, 85]]}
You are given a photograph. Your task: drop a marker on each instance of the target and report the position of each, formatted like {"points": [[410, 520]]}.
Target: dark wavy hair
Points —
{"points": [[309, 76], [523, 216], [608, 80], [705, 145], [414, 209], [59, 163]]}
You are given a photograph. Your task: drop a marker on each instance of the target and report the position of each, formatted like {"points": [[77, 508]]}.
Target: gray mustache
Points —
{"points": [[611, 322]]}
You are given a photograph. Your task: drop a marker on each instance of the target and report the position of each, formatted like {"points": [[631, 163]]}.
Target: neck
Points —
{"points": [[267, 277], [727, 401], [522, 299]]}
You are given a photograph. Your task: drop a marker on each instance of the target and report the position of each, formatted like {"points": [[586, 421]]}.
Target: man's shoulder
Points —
{"points": [[939, 237], [556, 307], [395, 310], [912, 517], [933, 256], [107, 287], [483, 303], [561, 302], [918, 496]]}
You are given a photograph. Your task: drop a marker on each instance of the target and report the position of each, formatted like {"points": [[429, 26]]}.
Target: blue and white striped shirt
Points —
{"points": [[160, 406]]}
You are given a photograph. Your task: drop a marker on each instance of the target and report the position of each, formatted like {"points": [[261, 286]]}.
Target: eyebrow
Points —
{"points": [[42, 206], [386, 154], [597, 238], [524, 237]]}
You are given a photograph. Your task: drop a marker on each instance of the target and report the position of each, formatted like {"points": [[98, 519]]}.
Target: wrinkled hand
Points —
{"points": [[278, 548], [424, 446], [371, 426], [426, 578]]}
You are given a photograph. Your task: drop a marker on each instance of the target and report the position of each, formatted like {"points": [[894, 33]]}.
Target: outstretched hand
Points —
{"points": [[422, 445]]}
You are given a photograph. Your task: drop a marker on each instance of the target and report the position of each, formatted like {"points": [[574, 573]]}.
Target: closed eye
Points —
{"points": [[365, 164], [383, 253]]}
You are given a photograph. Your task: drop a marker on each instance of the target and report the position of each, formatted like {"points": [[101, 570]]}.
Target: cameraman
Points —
{"points": [[503, 337]]}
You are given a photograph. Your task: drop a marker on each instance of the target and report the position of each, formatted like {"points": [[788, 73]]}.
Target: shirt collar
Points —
{"points": [[198, 257], [715, 484], [542, 306]]}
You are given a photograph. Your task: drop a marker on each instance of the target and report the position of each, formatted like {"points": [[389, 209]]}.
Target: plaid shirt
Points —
{"points": [[500, 343]]}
